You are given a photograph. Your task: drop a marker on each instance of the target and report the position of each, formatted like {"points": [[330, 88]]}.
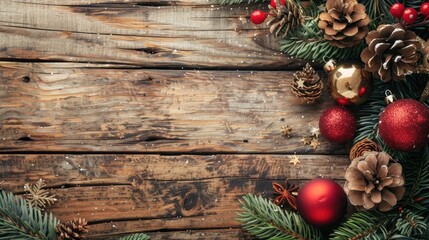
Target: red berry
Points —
{"points": [[410, 15], [397, 9], [274, 5], [424, 9], [258, 16]]}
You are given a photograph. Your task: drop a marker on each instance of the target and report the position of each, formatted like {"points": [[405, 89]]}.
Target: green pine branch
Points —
{"points": [[19, 220], [362, 225], [318, 50], [411, 224], [136, 236], [379, 11], [265, 220]]}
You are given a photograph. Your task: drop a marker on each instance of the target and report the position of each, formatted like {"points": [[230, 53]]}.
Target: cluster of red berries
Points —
{"points": [[409, 15], [259, 16]]}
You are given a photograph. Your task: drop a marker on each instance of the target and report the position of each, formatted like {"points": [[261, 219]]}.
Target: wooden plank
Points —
{"points": [[131, 193], [189, 234], [216, 234], [84, 107], [166, 34], [95, 170]]}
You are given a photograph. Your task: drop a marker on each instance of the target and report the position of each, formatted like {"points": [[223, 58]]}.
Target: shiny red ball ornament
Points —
{"points": [[397, 9], [322, 202], [424, 9], [337, 124], [258, 16], [274, 5], [404, 125], [410, 15]]}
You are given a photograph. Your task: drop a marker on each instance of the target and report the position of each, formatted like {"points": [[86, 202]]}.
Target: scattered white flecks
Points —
{"points": [[113, 226]]}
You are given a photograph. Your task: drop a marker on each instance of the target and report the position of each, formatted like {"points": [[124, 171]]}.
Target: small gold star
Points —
{"points": [[300, 83], [315, 132], [305, 140], [294, 160], [286, 131], [314, 143]]}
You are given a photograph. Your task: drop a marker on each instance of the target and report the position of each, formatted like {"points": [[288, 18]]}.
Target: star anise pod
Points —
{"points": [[285, 193]]}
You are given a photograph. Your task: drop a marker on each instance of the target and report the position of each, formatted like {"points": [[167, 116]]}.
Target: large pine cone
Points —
{"points": [[72, 230], [284, 17], [344, 23], [307, 84], [392, 52], [371, 181]]}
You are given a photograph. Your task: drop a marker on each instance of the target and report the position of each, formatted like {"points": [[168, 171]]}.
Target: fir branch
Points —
{"points": [[136, 236], [19, 220], [264, 219], [362, 225], [38, 196], [318, 50], [379, 11], [410, 224], [230, 2]]}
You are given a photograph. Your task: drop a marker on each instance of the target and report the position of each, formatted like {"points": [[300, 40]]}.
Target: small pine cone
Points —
{"points": [[284, 17], [364, 145], [371, 181], [425, 52], [392, 52], [344, 23], [307, 84], [72, 230]]}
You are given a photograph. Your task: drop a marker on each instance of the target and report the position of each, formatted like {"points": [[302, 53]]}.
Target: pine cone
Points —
{"points": [[371, 181], [284, 17], [344, 23], [307, 84], [391, 52], [72, 230], [425, 51], [364, 145]]}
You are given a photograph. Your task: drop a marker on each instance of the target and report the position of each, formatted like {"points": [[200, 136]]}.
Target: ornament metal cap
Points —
{"points": [[330, 65], [390, 97]]}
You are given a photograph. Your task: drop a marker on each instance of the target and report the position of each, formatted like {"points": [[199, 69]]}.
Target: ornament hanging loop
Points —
{"points": [[390, 97]]}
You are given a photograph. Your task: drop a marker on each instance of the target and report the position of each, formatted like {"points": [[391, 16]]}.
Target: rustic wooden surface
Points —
{"points": [[150, 116]]}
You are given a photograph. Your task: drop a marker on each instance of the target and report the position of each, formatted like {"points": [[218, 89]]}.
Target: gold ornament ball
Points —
{"points": [[349, 84]]}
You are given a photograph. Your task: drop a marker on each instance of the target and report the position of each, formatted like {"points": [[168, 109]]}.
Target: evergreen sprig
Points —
{"points": [[136, 236], [411, 224], [363, 225], [19, 220], [264, 219]]}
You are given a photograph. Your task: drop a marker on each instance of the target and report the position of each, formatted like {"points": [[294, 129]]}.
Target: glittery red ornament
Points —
{"points": [[337, 124], [404, 125], [322, 202]]}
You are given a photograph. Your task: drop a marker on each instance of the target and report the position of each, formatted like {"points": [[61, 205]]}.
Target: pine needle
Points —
{"points": [[265, 220], [19, 220], [38, 196], [136, 236]]}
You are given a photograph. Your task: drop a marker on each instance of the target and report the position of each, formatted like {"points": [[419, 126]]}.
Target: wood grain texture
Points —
{"points": [[167, 34], [121, 194], [83, 107]]}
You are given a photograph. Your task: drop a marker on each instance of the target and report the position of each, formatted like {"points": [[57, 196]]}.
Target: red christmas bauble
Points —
{"points": [[274, 5], [424, 9], [337, 124], [410, 15], [397, 9], [322, 202], [404, 125], [258, 16]]}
